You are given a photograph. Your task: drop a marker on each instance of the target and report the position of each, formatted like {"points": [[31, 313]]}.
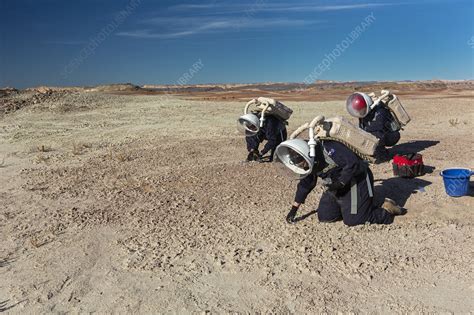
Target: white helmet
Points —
{"points": [[358, 104], [249, 124], [294, 156]]}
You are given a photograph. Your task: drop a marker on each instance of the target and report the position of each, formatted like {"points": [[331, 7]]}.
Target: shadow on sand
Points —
{"points": [[304, 216], [7, 261], [399, 189], [5, 307], [412, 146]]}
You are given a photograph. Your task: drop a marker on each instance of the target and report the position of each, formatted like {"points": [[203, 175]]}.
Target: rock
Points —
{"points": [[44, 90], [121, 87], [7, 91]]}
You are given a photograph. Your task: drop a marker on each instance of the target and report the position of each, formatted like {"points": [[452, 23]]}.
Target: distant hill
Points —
{"points": [[405, 85]]}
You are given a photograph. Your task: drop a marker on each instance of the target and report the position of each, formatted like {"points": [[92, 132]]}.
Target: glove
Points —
{"points": [[264, 159], [332, 186], [253, 156], [290, 218]]}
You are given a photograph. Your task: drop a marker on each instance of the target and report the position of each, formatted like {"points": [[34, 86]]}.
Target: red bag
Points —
{"points": [[408, 165]]}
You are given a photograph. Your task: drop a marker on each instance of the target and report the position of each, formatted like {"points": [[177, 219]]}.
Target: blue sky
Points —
{"points": [[88, 42]]}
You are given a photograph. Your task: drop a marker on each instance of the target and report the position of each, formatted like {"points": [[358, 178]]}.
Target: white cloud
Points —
{"points": [[149, 34], [307, 8], [189, 19], [189, 26], [264, 6], [193, 6]]}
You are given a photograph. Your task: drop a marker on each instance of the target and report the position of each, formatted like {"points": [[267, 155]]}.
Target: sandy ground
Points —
{"points": [[142, 204]]}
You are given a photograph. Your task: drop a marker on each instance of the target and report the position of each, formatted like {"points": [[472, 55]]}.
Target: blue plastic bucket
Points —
{"points": [[456, 181]]}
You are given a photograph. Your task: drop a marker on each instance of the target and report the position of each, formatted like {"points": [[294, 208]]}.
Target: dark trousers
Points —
{"points": [[388, 139], [354, 207], [391, 138], [253, 142]]}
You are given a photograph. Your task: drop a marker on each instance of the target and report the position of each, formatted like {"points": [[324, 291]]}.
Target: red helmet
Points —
{"points": [[358, 104]]}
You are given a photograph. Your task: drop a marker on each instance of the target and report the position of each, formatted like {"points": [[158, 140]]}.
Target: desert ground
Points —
{"points": [[140, 202]]}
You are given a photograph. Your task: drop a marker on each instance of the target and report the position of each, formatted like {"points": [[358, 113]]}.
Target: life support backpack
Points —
{"points": [[338, 129], [269, 106], [392, 103], [408, 165]]}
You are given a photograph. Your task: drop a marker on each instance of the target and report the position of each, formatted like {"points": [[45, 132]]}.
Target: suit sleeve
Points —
{"points": [[272, 134], [305, 186]]}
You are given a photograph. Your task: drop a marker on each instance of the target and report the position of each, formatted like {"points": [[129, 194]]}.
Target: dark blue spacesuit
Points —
{"points": [[274, 131], [349, 182], [377, 122]]}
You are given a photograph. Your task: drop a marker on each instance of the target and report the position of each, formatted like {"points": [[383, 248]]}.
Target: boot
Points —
{"points": [[391, 207]]}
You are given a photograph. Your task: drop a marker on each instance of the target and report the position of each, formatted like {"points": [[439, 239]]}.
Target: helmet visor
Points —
{"points": [[357, 105], [293, 162], [248, 125]]}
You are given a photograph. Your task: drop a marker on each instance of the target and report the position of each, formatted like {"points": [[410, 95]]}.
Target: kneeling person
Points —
{"points": [[349, 187]]}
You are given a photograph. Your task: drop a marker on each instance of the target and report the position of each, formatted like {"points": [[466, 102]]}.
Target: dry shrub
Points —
{"points": [[122, 157], [35, 242], [42, 238], [119, 156], [454, 122], [147, 188], [43, 148], [131, 183], [41, 158], [40, 148], [78, 148]]}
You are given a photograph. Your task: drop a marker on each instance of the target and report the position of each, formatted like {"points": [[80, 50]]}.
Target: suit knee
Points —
{"points": [[328, 218], [392, 138], [353, 221]]}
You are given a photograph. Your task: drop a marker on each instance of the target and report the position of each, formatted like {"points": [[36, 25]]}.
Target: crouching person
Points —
{"points": [[376, 121], [348, 181], [273, 131], [267, 121]]}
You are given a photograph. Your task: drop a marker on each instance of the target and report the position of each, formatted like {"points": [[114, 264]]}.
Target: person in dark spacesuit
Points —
{"points": [[377, 121], [273, 131], [349, 187]]}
